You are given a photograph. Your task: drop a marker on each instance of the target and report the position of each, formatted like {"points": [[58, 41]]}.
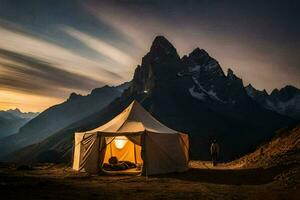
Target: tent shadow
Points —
{"points": [[255, 176]]}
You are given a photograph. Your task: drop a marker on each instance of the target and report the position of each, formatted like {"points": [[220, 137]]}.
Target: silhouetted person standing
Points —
{"points": [[214, 151]]}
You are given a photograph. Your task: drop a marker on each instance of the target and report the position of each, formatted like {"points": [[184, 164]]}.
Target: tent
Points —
{"points": [[136, 136]]}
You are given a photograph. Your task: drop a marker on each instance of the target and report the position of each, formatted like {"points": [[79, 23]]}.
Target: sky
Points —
{"points": [[51, 48]]}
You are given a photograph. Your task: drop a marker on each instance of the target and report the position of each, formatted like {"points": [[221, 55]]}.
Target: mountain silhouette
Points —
{"points": [[191, 94]]}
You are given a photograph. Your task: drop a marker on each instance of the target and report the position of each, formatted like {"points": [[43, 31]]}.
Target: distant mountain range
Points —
{"points": [[285, 101], [13, 119], [191, 94], [60, 116], [18, 113]]}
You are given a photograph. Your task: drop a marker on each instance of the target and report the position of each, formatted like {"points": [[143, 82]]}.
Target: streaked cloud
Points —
{"points": [[26, 73], [27, 44], [79, 45], [31, 65], [102, 47]]}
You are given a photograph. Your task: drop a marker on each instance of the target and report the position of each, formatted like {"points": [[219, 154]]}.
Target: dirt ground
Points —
{"points": [[202, 181]]}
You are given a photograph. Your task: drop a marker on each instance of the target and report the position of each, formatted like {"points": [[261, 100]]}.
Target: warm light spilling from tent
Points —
{"points": [[120, 142]]}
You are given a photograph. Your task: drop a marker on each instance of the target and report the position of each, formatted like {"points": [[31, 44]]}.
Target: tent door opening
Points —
{"points": [[122, 156]]}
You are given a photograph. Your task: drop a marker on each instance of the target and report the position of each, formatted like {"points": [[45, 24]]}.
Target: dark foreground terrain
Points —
{"points": [[200, 182], [270, 172]]}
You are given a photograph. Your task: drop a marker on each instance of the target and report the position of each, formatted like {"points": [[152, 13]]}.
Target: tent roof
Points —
{"points": [[133, 119]]}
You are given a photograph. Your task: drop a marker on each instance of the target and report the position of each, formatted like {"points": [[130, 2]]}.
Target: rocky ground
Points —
{"points": [[202, 181]]}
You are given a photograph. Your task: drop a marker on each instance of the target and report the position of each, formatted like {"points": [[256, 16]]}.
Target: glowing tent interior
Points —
{"points": [[134, 136]]}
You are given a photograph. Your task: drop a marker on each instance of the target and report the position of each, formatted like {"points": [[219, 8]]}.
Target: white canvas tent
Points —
{"points": [[133, 135]]}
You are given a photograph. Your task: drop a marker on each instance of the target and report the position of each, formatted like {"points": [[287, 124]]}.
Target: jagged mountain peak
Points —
{"points": [[286, 88], [200, 61], [161, 51], [265, 92], [250, 89], [274, 92], [290, 89], [16, 110], [253, 92], [200, 57], [73, 96], [285, 93], [250, 86], [231, 75], [161, 41], [198, 53], [101, 89], [159, 66], [106, 89]]}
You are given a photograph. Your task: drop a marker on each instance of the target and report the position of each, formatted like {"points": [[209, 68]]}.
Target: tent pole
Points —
{"points": [[144, 154], [110, 150], [134, 152], [73, 151]]}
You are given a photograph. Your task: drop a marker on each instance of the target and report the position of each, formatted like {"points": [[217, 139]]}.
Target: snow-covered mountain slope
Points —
{"points": [[285, 101]]}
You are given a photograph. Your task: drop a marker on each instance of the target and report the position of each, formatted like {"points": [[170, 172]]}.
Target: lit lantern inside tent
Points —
{"points": [[120, 142]]}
